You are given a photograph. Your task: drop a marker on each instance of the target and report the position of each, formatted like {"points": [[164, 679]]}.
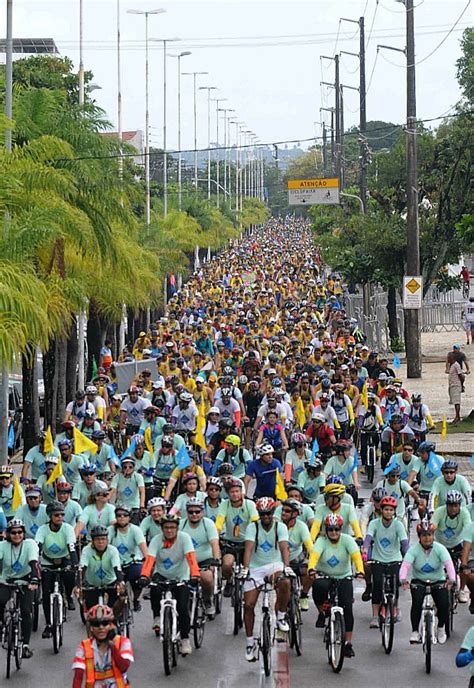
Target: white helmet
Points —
{"points": [[91, 389], [156, 501], [318, 416], [264, 449], [214, 409]]}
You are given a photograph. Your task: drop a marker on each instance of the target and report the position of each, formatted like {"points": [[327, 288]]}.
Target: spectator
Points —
{"points": [[455, 384]]}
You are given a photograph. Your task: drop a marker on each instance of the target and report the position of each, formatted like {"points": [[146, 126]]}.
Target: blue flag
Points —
{"points": [[354, 465], [11, 436], [314, 451], [472, 459], [183, 459], [434, 463], [129, 450], [396, 362], [113, 456]]}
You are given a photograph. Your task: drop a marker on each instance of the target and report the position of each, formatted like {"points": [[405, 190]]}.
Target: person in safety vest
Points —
{"points": [[104, 657]]}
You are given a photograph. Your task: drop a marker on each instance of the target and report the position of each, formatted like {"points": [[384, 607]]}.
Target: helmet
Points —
{"points": [[64, 441], [155, 501], [80, 394], [123, 508], [449, 464], [235, 482], [213, 409], [169, 518], [334, 490], [214, 480], [325, 383], [333, 521], [342, 445], [167, 441], [334, 480], [167, 428], [100, 612], [388, 500], [319, 417], [189, 476], [264, 449], [226, 391], [195, 501], [225, 469], [396, 418], [6, 470], [294, 505], [98, 435], [88, 469], [52, 460], [55, 508], [234, 440], [276, 382], [138, 439], [265, 505], [425, 527], [33, 491], [299, 438], [64, 487], [99, 488], [41, 436], [370, 396], [393, 468], [316, 465], [243, 379], [91, 389], [15, 523], [453, 497], [416, 397], [426, 446], [133, 389], [90, 413], [226, 423], [99, 531], [378, 493], [187, 397]]}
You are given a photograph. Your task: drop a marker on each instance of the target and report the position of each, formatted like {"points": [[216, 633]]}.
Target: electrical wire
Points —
{"points": [[372, 24], [423, 59]]}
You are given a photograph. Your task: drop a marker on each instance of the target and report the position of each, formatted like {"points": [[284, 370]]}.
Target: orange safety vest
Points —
{"points": [[92, 675]]}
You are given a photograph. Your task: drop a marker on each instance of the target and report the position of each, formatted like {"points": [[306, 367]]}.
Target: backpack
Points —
{"points": [[256, 534]]}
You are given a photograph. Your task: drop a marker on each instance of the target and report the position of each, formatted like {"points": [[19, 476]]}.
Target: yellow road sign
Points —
{"points": [[323, 183], [413, 285], [412, 291]]}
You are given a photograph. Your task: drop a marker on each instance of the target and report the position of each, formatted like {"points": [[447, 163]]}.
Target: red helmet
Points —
{"points": [[425, 527], [265, 505], [389, 501], [333, 521], [100, 612]]}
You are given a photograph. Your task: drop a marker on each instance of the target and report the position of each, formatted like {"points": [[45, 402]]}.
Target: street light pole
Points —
{"points": [[225, 111], [194, 75], [81, 52], [183, 54], [217, 101], [208, 89]]}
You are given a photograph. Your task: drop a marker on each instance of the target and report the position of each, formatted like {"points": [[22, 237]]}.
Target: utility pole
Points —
{"points": [[362, 116], [325, 165], [194, 75], [337, 115], [412, 325]]}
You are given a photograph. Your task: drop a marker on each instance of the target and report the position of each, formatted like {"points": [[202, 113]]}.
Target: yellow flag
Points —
{"points": [[57, 473], [280, 492], [444, 427], [83, 443], [17, 496], [364, 395], [100, 413], [48, 446], [200, 425], [300, 414], [147, 438]]}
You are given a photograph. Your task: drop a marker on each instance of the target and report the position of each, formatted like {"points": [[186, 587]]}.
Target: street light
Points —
{"points": [[208, 89], [183, 54], [217, 101], [225, 111], [145, 13], [194, 75]]}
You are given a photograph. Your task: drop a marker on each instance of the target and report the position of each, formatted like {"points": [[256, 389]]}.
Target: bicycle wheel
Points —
{"points": [[452, 605], [297, 631], [199, 623], [370, 468], [36, 608], [237, 604], [9, 641], [166, 636], [388, 626], [336, 642], [18, 644], [56, 623], [428, 623], [218, 595], [267, 644]]}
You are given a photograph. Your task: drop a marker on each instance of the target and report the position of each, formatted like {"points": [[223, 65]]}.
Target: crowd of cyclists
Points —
{"points": [[235, 461]]}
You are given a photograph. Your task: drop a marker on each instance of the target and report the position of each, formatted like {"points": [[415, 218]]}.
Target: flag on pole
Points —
{"points": [[434, 463], [11, 436], [83, 443], [17, 497], [147, 438], [95, 370], [364, 395], [201, 425], [183, 460], [396, 362], [300, 414], [280, 492], [129, 450], [48, 446], [444, 427], [314, 451], [57, 473]]}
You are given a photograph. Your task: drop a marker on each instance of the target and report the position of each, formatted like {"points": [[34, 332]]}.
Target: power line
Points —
{"points": [[448, 34], [372, 24]]}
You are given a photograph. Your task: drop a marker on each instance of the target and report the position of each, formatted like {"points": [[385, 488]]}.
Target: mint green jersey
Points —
{"points": [[201, 537], [335, 558], [386, 540], [267, 549], [100, 567]]}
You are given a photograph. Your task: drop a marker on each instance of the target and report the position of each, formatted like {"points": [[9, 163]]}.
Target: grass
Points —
{"points": [[466, 425]]}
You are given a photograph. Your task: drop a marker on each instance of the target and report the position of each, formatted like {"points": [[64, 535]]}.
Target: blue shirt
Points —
{"points": [[265, 475]]}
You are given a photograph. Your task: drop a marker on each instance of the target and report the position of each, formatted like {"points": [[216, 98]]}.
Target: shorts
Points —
{"points": [[454, 395], [259, 574]]}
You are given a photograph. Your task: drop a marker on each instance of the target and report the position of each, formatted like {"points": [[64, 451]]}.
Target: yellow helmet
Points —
{"points": [[232, 439], [334, 490]]}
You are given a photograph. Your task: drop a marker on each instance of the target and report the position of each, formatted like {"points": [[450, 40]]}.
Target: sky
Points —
{"points": [[263, 56]]}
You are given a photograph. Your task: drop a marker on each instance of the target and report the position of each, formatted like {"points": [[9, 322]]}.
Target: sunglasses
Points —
{"points": [[213, 487], [448, 472], [98, 624], [32, 496], [60, 515], [16, 532], [409, 449], [332, 529], [287, 511], [194, 513], [122, 513]]}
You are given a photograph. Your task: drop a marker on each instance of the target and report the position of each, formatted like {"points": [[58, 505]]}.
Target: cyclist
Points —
{"points": [[333, 556], [264, 469], [312, 480], [72, 510], [89, 424], [451, 521], [297, 456], [71, 463], [99, 566], [76, 409], [342, 405], [6, 491], [57, 547], [19, 563], [34, 459], [426, 471], [179, 476], [344, 464], [98, 512], [104, 657], [233, 517], [213, 499], [185, 413], [33, 513], [132, 412], [171, 556], [273, 433], [169, 432], [394, 437], [298, 537], [370, 423], [306, 513], [154, 421], [321, 431], [128, 488], [405, 459], [252, 400], [387, 539], [83, 490], [105, 458], [150, 525], [333, 504], [130, 543], [205, 539], [427, 561], [419, 418], [266, 554], [234, 454], [370, 511], [190, 484], [398, 488], [449, 480]]}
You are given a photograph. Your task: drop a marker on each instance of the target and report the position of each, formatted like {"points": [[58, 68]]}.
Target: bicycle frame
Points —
{"points": [[169, 601]]}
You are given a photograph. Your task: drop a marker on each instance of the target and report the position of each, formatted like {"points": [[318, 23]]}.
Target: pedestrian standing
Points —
{"points": [[455, 384]]}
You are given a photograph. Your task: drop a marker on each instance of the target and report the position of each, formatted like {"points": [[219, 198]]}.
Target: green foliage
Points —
{"points": [[465, 65], [445, 282]]}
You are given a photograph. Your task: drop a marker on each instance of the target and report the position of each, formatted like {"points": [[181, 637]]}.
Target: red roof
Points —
{"points": [[126, 135]]}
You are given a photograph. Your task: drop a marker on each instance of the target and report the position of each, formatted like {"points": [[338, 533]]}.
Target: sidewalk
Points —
{"points": [[434, 388]]}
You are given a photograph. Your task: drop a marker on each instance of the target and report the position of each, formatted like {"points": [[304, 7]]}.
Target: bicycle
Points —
{"points": [[58, 608], [169, 630], [371, 456], [428, 620], [12, 639], [36, 608], [197, 614], [453, 596], [236, 597], [125, 618], [294, 616], [265, 638], [103, 596], [335, 628], [387, 606], [218, 588]]}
